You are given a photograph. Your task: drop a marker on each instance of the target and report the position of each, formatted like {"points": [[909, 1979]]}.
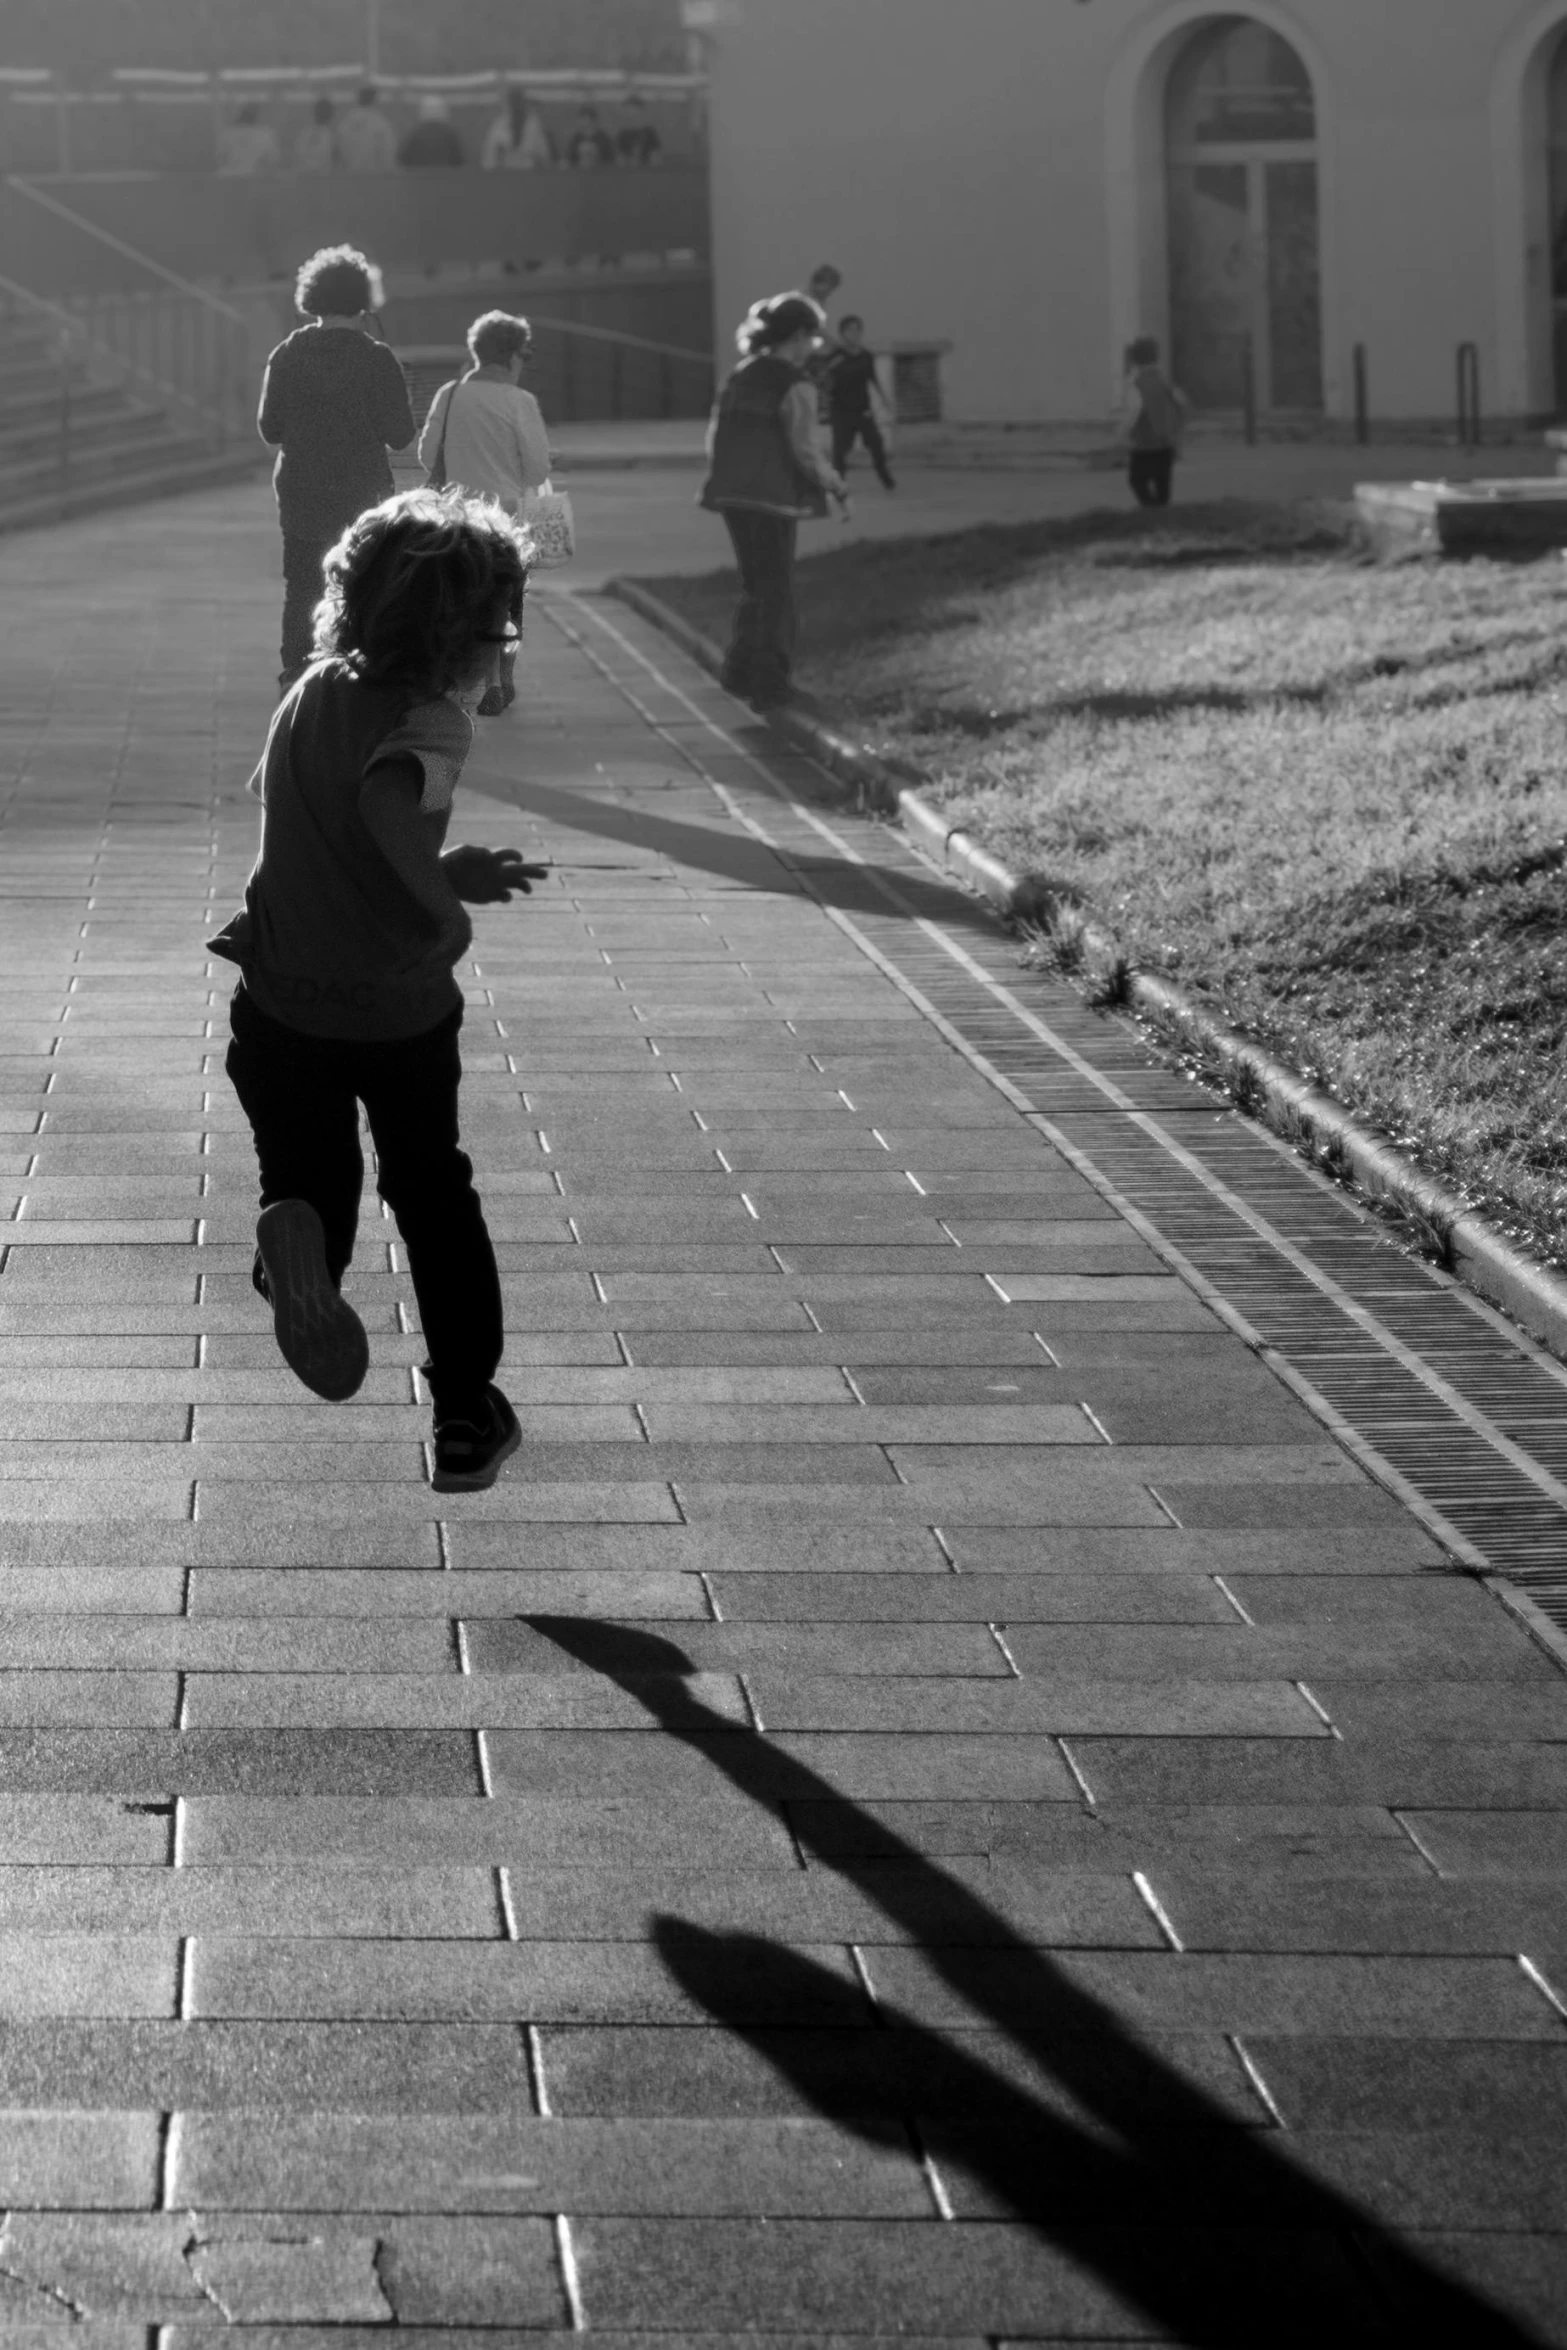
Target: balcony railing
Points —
{"points": [[581, 374]]}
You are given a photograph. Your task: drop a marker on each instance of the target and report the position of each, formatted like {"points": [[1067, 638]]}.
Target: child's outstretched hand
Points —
{"points": [[487, 877]]}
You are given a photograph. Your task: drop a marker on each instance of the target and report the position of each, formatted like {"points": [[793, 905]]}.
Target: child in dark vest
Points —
{"points": [[353, 922], [854, 401], [1153, 421], [767, 472]]}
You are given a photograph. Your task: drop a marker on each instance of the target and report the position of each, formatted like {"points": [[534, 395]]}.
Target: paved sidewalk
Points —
{"points": [[933, 1801]]}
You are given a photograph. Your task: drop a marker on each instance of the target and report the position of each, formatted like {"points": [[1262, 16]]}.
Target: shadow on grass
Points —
{"points": [[1120, 705], [1199, 2222]]}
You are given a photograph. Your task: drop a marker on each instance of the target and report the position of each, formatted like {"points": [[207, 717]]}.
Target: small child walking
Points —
{"points": [[855, 403], [1153, 423], [353, 922]]}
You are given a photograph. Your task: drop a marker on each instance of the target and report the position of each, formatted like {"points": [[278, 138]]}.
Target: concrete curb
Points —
{"points": [[1462, 1241]]}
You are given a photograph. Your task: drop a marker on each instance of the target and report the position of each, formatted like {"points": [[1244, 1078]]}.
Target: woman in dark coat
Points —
{"points": [[334, 401], [767, 474]]}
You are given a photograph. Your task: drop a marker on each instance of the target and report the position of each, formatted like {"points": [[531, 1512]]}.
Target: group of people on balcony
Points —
{"points": [[363, 138]]}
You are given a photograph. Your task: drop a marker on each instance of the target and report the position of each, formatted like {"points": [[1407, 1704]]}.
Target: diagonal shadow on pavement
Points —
{"points": [[1199, 2222], [737, 857]]}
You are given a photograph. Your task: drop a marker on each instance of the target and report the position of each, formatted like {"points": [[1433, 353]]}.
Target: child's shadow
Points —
{"points": [[1203, 2224]]}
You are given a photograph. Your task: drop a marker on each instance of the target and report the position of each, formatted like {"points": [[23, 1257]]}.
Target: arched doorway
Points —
{"points": [[1244, 252], [1556, 181]]}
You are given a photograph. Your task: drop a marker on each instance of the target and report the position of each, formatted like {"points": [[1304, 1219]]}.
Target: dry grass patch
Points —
{"points": [[1327, 796]]}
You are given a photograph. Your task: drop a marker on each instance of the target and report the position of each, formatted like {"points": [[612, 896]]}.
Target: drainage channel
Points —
{"points": [[1434, 1391]]}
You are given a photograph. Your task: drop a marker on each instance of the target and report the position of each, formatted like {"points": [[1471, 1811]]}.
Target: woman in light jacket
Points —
{"points": [[485, 434], [768, 473]]}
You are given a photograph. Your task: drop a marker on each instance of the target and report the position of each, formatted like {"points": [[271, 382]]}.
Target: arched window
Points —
{"points": [[1245, 284]]}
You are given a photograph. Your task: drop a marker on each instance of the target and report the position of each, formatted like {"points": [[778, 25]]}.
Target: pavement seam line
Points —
{"points": [[571, 2283], [1366, 1454], [1360, 1448], [1379, 1167]]}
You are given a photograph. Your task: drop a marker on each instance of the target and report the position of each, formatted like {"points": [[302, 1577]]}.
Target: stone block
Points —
{"points": [[87, 1974], [481, 1701], [89, 2161], [1034, 1709], [549, 1830], [153, 1764], [278, 2066], [80, 1830], [296, 2279], [1456, 1998], [851, 1650], [808, 1597], [291, 1900], [516, 2163]]}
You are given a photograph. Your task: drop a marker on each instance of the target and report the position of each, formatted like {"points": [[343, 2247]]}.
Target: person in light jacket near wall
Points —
{"points": [[768, 473], [485, 434]]}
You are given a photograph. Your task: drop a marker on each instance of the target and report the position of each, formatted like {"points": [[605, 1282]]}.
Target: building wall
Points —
{"points": [[990, 172]]}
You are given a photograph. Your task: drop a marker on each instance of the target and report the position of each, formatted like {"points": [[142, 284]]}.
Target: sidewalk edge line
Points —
{"points": [[1468, 1246]]}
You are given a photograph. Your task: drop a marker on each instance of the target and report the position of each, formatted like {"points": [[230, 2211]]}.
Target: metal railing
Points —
{"points": [[582, 374], [171, 342], [162, 349]]}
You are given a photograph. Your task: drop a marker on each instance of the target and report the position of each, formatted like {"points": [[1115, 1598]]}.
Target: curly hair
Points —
{"points": [[338, 282], [497, 337], [771, 322], [414, 587]]}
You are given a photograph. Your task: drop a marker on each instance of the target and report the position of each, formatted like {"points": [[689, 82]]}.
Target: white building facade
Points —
{"points": [[1037, 181]]}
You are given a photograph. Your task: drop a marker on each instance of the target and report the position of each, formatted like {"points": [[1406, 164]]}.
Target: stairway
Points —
{"points": [[73, 440]]}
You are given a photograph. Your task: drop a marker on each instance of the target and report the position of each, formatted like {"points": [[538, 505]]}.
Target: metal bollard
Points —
{"points": [[1468, 386], [1249, 390], [1362, 396]]}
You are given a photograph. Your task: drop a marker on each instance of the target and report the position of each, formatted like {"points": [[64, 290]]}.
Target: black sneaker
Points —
{"points": [[469, 1453], [321, 1338]]}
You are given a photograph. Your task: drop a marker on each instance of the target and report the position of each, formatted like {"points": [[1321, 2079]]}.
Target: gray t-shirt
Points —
{"points": [[330, 940]]}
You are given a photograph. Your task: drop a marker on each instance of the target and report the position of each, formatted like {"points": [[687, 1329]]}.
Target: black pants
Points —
{"points": [[846, 430], [1149, 474], [761, 647], [302, 1094], [302, 589]]}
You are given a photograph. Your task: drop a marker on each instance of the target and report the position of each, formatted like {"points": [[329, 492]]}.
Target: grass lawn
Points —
{"points": [[1329, 797]]}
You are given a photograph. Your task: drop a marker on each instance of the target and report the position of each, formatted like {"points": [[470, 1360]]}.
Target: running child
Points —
{"points": [[353, 922], [855, 402]]}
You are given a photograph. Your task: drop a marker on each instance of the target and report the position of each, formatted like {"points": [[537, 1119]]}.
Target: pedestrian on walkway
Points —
{"points": [[352, 923], [485, 434], [856, 404], [517, 139], [1153, 422], [334, 400], [365, 139], [767, 473], [434, 143]]}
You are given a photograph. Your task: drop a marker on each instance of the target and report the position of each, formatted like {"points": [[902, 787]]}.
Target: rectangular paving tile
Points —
{"points": [[296, 1899], [534, 1701], [88, 2161], [633, 2070], [321, 1593], [87, 1974], [518, 2163], [555, 1982], [555, 1830], [276, 2067], [947, 1651], [134, 1763]]}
